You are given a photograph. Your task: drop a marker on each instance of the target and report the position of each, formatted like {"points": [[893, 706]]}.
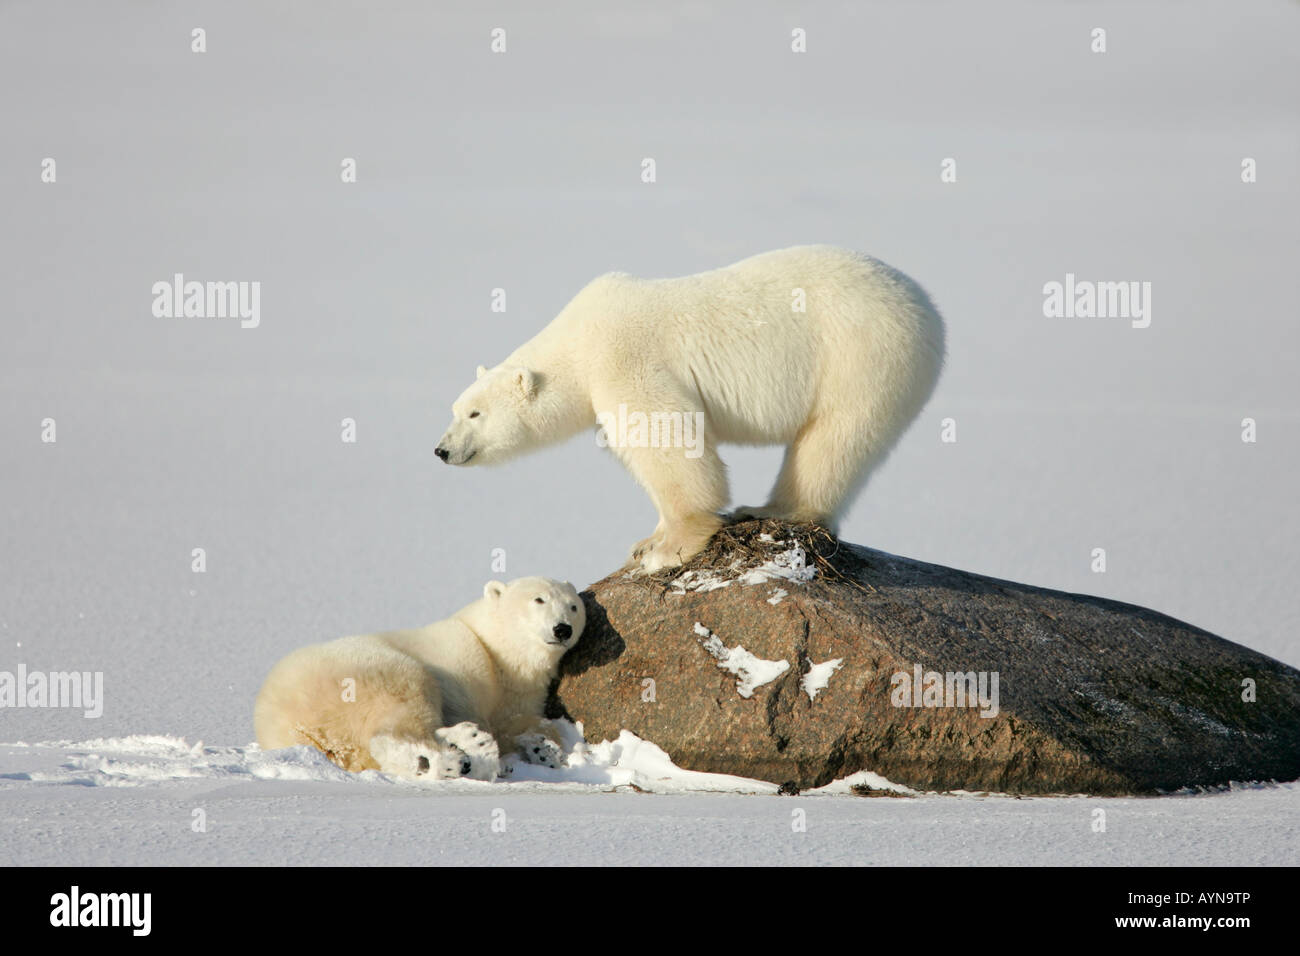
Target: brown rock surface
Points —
{"points": [[1094, 696]]}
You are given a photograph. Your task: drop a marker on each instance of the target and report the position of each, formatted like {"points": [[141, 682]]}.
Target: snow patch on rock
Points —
{"points": [[698, 581], [789, 565], [819, 675], [863, 778], [751, 672]]}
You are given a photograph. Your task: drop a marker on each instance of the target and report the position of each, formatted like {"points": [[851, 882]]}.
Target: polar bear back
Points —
{"points": [[335, 696], [809, 318]]}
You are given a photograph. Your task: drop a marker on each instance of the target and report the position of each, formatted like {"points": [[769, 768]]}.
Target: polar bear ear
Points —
{"points": [[526, 382], [479, 372], [493, 590]]}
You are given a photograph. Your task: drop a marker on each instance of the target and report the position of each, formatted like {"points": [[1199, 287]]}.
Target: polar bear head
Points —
{"points": [[495, 418], [537, 619]]}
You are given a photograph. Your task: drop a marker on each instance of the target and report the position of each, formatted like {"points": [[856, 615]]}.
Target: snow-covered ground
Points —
{"points": [[149, 800], [522, 171]]}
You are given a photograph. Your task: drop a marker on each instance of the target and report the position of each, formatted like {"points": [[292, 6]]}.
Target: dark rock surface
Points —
{"points": [[1093, 696]]}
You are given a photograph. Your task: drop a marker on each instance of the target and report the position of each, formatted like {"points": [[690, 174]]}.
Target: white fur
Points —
{"points": [[837, 383], [435, 700]]}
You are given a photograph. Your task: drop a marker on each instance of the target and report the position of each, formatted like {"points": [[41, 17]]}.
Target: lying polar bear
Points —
{"points": [[434, 701]]}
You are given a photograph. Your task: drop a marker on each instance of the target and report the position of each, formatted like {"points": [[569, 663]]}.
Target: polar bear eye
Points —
{"points": [[473, 414], [573, 607], [539, 600]]}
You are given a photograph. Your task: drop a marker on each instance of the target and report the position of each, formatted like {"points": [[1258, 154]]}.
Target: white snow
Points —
{"points": [[789, 565], [145, 760], [777, 595], [630, 761], [694, 580], [864, 778], [150, 760], [819, 675], [750, 671], [620, 802]]}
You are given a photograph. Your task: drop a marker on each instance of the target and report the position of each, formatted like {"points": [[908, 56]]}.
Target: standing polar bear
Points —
{"points": [[823, 350], [436, 700]]}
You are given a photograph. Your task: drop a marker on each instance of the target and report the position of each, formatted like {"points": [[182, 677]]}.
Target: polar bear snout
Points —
{"points": [[563, 631], [454, 453]]}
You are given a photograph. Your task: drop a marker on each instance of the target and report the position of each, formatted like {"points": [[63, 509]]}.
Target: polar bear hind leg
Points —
{"points": [[837, 449], [822, 468]]}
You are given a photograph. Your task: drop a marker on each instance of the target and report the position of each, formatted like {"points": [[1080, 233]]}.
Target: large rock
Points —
{"points": [[1093, 696]]}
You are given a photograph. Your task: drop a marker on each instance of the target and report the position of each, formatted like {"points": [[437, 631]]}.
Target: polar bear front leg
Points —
{"points": [[684, 538], [688, 492], [475, 744], [428, 759], [539, 748]]}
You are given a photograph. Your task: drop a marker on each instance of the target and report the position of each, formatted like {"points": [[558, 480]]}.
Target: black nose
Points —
{"points": [[562, 631], [442, 453]]}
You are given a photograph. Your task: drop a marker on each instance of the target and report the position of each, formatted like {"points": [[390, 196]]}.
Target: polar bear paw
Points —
{"points": [[540, 749], [644, 547], [418, 759], [675, 543], [475, 745]]}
